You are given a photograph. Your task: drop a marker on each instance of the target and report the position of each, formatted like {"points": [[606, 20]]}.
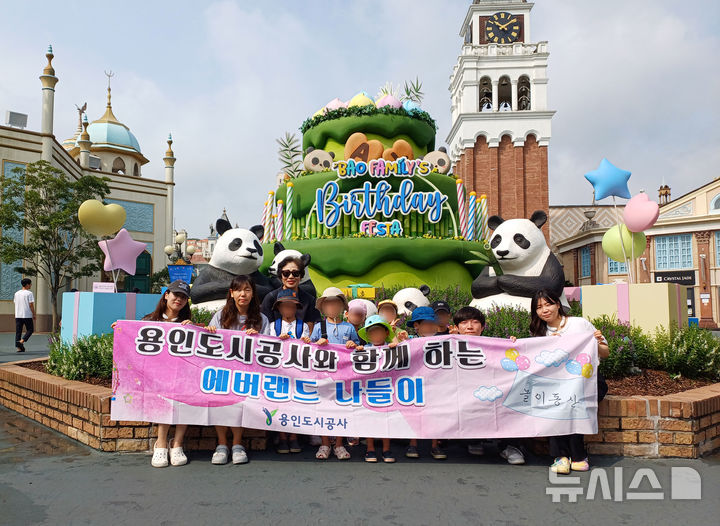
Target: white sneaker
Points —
{"points": [[513, 455], [239, 456], [177, 456], [220, 456], [476, 449], [160, 457]]}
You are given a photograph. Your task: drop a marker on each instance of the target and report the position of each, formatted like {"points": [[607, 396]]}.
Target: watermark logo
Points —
{"points": [[685, 484]]}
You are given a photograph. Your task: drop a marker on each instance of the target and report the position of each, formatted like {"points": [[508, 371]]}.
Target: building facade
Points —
{"points": [[103, 147], [500, 131]]}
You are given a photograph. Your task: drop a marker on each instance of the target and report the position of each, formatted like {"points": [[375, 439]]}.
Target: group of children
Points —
{"points": [[348, 324]]}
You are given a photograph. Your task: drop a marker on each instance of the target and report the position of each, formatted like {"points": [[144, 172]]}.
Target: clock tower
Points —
{"points": [[500, 129]]}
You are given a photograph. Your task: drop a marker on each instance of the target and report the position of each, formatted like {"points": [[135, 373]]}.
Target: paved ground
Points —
{"points": [[36, 347], [46, 478]]}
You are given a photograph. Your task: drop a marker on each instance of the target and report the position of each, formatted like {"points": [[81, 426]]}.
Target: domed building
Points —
{"points": [[113, 148]]}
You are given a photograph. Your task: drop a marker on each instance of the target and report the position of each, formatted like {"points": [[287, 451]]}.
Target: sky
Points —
{"points": [[632, 81]]}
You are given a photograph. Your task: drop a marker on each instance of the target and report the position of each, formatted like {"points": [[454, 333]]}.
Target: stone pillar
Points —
{"points": [[169, 160], [494, 95], [702, 240], [514, 94]]}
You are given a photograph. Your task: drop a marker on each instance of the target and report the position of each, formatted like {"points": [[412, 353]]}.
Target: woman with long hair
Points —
{"points": [[291, 271], [548, 318], [173, 307], [240, 313]]}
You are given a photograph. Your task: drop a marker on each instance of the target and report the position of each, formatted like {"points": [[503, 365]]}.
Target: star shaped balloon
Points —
{"points": [[609, 180], [121, 252]]}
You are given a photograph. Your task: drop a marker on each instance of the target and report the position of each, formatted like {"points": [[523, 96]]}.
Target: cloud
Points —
{"points": [[552, 358], [487, 393]]}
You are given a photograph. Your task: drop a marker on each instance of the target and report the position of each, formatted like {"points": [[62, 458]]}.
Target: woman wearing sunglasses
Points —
{"points": [[290, 271]]}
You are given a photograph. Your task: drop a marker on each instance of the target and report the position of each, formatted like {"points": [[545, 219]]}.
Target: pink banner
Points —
{"points": [[440, 387]]}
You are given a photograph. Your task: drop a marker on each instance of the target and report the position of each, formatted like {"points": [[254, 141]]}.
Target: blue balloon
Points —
{"points": [[609, 180], [573, 367], [508, 365]]}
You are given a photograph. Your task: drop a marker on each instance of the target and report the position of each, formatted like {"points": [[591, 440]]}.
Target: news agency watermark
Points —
{"points": [[684, 484]]}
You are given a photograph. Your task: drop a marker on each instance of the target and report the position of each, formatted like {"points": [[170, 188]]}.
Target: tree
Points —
{"points": [[42, 201], [290, 154]]}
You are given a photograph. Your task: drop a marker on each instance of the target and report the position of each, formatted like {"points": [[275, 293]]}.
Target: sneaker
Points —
{"points": [[177, 456], [295, 446], [438, 454], [370, 456], [220, 456], [561, 466], [412, 452], [160, 457], [513, 455], [283, 447], [582, 465], [476, 449], [388, 457], [239, 456]]}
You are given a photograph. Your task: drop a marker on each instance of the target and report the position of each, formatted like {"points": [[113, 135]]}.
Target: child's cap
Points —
{"points": [[357, 305], [441, 305], [373, 320], [286, 296], [331, 293], [421, 314], [390, 303]]}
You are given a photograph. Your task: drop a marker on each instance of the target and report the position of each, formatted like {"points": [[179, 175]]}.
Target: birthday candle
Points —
{"points": [[268, 225], [484, 211], [279, 221], [461, 209], [478, 219], [471, 217], [289, 211]]}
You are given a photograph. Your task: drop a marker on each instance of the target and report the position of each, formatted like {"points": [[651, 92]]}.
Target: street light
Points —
{"points": [[175, 252]]}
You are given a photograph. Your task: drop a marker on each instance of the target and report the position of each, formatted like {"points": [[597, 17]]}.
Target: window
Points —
{"points": [[673, 252], [585, 262], [715, 205], [616, 267], [523, 93]]}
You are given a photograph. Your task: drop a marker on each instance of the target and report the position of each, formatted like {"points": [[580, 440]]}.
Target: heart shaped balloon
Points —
{"points": [[640, 213], [100, 219]]}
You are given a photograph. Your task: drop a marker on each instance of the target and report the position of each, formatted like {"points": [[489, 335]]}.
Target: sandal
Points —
{"points": [[177, 456], [160, 457], [341, 453], [323, 453]]}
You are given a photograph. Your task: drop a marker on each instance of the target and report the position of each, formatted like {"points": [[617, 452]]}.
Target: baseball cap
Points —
{"points": [[179, 287], [357, 305], [441, 305]]}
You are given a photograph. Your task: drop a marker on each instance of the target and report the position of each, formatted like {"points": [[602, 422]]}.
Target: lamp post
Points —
{"points": [[175, 251]]}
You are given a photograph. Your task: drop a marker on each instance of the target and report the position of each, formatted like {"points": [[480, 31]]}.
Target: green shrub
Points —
{"points": [[621, 339], [503, 322], [202, 316], [691, 351], [89, 357]]}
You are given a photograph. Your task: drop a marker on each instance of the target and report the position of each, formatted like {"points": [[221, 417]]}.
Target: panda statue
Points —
{"points": [[526, 261], [407, 300], [281, 253], [237, 251], [318, 160]]}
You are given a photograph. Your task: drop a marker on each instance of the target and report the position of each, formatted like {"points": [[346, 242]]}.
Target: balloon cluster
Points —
{"points": [[513, 361], [624, 241], [581, 366]]}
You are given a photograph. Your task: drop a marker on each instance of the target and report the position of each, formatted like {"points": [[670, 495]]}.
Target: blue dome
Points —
{"points": [[113, 135]]}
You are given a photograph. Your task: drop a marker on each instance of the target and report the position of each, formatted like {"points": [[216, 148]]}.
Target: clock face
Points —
{"points": [[502, 28]]}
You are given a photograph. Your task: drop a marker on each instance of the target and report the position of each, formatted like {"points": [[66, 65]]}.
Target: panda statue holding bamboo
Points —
{"points": [[526, 261], [237, 251]]}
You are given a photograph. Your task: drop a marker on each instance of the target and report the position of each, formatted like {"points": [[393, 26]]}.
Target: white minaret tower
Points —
{"points": [[169, 160], [48, 80], [500, 120]]}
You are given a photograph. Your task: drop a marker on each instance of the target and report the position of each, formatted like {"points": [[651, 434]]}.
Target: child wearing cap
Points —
{"points": [[425, 324], [443, 315], [173, 307], [356, 314], [332, 329], [388, 311], [378, 333]]}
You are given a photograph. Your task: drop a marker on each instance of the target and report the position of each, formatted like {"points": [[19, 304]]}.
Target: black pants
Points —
{"points": [[573, 446], [29, 328]]}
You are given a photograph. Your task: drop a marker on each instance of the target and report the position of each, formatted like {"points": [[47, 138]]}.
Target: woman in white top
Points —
{"points": [[240, 313], [547, 318]]}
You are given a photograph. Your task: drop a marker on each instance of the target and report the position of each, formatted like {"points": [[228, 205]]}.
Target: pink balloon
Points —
{"points": [[640, 213], [523, 362], [121, 252], [582, 358]]}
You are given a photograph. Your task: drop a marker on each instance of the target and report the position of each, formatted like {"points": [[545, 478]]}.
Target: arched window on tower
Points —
{"points": [[118, 166], [485, 94], [523, 93], [504, 94], [136, 170]]}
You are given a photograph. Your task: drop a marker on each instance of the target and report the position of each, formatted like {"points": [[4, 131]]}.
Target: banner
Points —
{"points": [[440, 387]]}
